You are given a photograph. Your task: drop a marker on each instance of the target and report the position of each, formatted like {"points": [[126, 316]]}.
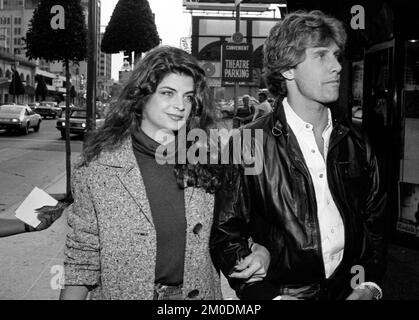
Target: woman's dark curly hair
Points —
{"points": [[125, 116], [285, 46]]}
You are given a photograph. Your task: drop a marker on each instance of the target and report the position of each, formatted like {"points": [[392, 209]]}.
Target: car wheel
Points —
{"points": [[26, 129], [36, 128]]}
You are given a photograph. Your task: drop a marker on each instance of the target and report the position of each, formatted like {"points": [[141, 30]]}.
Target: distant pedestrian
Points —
{"points": [[245, 113], [264, 106]]}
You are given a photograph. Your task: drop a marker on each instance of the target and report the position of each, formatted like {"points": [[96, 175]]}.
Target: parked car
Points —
{"points": [[77, 122], [49, 109], [19, 118], [34, 105], [62, 105]]}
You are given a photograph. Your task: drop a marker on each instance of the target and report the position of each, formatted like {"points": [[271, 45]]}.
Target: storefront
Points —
{"points": [[26, 71]]}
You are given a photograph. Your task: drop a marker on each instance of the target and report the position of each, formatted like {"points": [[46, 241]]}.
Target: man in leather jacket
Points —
{"points": [[318, 204]]}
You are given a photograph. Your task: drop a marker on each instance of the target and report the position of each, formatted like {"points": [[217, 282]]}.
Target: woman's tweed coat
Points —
{"points": [[112, 244]]}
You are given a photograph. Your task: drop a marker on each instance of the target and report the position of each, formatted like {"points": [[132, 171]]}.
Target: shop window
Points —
{"points": [[211, 52]]}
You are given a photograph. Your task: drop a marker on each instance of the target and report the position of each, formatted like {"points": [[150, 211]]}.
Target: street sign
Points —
{"points": [[214, 82], [237, 37], [58, 83], [237, 62], [186, 44]]}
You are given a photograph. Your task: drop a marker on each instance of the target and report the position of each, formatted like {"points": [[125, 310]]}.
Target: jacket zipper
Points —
{"points": [[332, 188], [306, 173]]}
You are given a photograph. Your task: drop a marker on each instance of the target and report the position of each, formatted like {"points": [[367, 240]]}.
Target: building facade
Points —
{"points": [[26, 71], [15, 16]]}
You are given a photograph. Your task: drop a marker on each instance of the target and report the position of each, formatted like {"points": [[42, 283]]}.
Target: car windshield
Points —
{"points": [[10, 109], [81, 114]]}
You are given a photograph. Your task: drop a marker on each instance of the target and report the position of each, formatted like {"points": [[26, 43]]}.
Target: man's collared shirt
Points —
{"points": [[332, 231]]}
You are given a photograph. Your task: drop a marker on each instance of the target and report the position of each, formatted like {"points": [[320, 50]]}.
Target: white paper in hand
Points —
{"points": [[36, 199]]}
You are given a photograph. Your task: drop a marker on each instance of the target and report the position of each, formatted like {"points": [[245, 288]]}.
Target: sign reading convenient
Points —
{"points": [[57, 83], [237, 62]]}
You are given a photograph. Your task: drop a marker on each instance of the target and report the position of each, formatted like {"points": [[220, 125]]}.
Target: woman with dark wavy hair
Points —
{"points": [[140, 230]]}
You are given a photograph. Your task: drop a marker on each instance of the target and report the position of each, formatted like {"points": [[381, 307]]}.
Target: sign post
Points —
{"points": [[236, 84]]}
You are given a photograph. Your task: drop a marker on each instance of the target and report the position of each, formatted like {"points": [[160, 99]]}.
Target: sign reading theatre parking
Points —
{"points": [[237, 62]]}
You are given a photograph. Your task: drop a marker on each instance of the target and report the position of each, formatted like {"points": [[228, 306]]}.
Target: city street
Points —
{"points": [[32, 160]]}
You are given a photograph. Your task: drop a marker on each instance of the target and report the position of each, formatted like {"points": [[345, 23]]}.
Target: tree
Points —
{"points": [[57, 32], [16, 86], [131, 28], [41, 90]]}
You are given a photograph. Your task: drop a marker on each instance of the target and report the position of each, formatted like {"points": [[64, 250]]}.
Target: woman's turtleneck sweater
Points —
{"points": [[167, 206]]}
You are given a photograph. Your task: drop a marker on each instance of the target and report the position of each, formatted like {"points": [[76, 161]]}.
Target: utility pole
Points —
{"points": [[14, 58], [91, 67]]}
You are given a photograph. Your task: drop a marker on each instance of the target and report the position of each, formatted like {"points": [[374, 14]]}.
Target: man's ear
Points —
{"points": [[289, 74]]}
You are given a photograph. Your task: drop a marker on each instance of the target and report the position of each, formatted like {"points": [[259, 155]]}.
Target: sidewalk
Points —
{"points": [[30, 264], [27, 260]]}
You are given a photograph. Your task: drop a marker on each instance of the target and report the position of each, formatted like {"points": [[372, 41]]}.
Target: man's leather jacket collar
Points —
{"points": [[279, 126]]}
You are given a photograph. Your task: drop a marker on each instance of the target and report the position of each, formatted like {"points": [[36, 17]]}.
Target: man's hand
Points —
{"points": [[48, 214], [255, 266], [361, 294]]}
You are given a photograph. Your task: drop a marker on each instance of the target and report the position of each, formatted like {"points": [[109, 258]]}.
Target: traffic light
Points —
{"points": [[128, 57]]}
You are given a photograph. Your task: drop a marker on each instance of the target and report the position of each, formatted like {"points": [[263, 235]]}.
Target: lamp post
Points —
{"points": [[91, 67]]}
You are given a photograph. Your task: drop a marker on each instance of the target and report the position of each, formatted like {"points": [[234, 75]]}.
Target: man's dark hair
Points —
{"points": [[285, 46]]}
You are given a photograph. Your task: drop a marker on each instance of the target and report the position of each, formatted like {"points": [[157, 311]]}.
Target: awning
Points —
{"points": [[4, 85]]}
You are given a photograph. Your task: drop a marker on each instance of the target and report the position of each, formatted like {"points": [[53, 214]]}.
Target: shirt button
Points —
{"points": [[321, 176], [332, 230], [313, 151], [328, 202], [307, 126]]}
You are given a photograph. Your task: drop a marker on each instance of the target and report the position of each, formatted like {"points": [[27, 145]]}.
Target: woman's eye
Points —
{"points": [[189, 99], [167, 93]]}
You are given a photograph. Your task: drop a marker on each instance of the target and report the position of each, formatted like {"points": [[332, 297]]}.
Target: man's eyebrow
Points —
{"points": [[325, 50], [320, 50]]}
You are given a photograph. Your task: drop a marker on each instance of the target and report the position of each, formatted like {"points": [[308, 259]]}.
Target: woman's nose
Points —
{"points": [[179, 103]]}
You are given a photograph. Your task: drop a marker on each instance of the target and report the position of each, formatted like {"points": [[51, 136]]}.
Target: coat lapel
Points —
{"points": [[124, 164]]}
